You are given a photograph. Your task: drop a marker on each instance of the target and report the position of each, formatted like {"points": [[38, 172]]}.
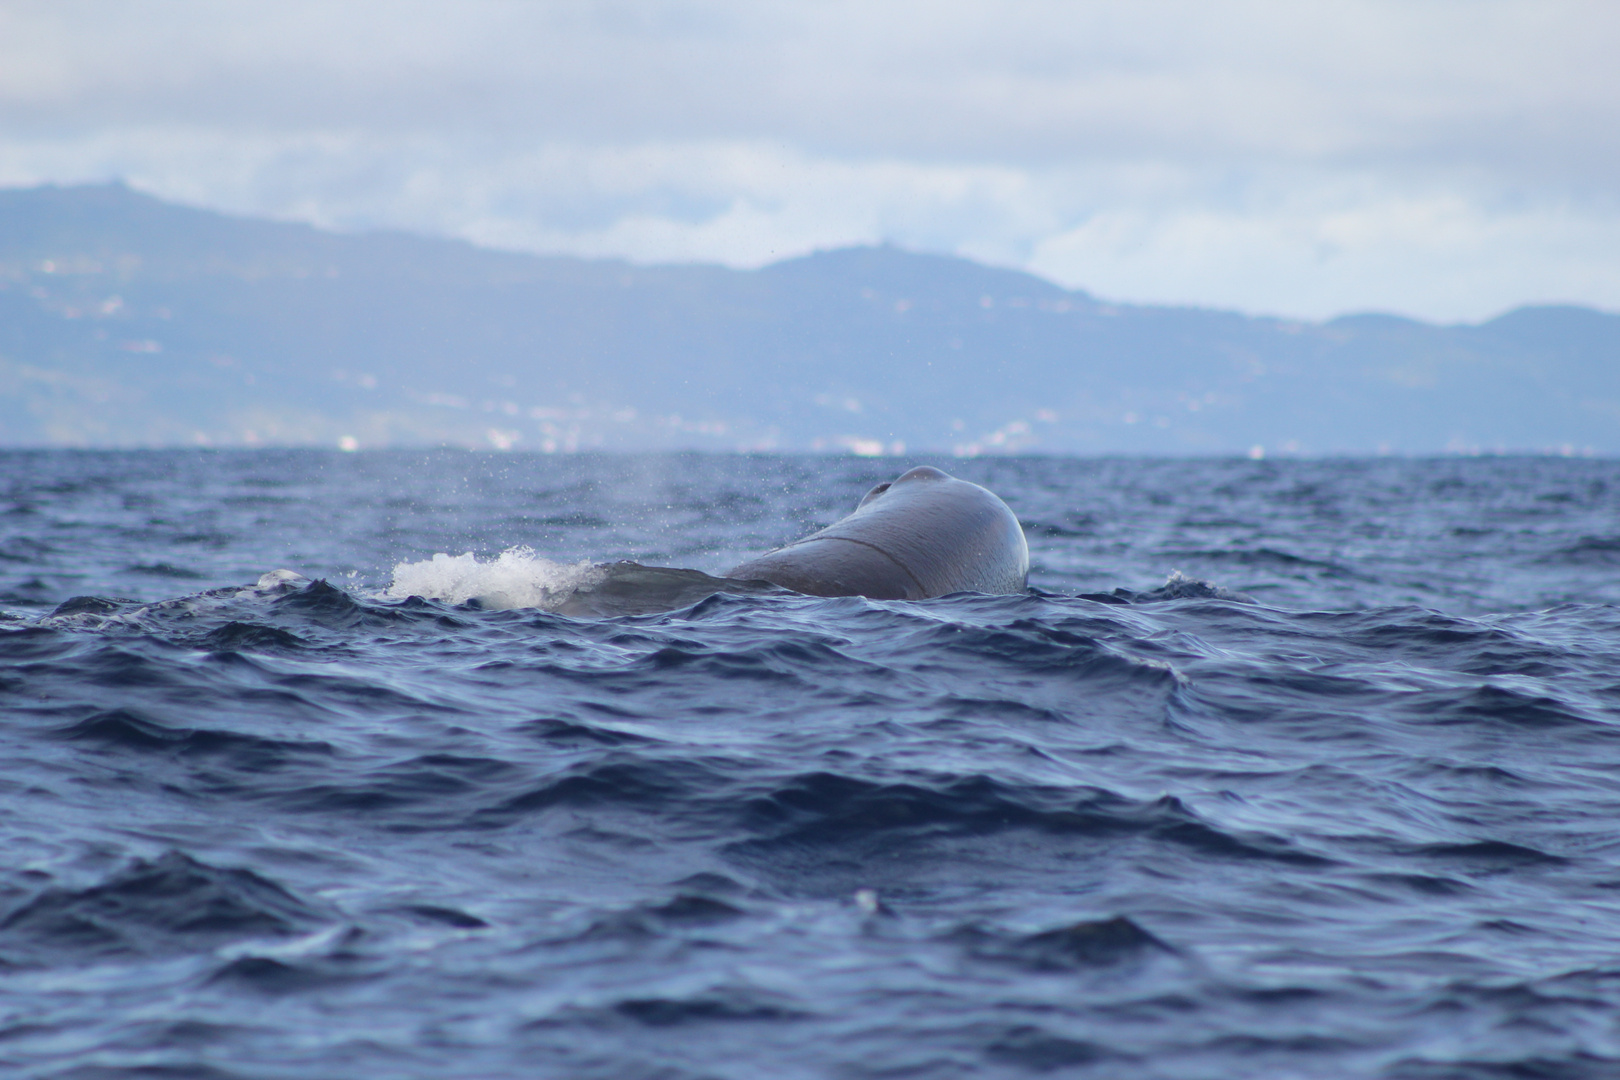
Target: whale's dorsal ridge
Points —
{"points": [[874, 493]]}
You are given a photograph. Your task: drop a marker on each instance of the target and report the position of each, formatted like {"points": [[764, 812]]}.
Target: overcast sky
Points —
{"points": [[1447, 159]]}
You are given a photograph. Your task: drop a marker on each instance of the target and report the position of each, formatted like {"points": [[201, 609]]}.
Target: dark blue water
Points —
{"points": [[1285, 769]]}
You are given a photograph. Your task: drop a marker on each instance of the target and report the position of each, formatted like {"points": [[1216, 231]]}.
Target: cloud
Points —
{"points": [[1322, 244], [1446, 158], [1031, 82]]}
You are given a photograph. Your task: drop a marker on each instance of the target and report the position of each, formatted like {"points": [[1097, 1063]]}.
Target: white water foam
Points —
{"points": [[517, 578]]}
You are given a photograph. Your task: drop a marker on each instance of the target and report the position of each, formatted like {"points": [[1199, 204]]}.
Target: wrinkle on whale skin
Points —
{"points": [[628, 588]]}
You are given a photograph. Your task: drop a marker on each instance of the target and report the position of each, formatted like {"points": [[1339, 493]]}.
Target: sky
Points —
{"points": [[1442, 159]]}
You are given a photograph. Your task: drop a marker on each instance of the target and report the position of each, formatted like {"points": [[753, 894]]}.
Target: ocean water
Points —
{"points": [[1281, 769]]}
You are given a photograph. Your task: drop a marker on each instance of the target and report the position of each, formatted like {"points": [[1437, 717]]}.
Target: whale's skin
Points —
{"points": [[923, 535]]}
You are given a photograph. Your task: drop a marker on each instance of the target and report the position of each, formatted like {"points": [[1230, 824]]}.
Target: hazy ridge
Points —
{"points": [[127, 321]]}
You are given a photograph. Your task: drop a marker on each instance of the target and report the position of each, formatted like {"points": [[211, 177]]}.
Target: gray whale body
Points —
{"points": [[922, 535]]}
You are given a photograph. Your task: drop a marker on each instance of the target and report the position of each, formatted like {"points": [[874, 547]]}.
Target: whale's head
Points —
{"points": [[921, 535]]}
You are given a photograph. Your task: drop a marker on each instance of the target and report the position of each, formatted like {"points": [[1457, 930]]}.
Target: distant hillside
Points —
{"points": [[128, 321]]}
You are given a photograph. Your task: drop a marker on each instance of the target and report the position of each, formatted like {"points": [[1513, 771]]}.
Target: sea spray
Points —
{"points": [[516, 578]]}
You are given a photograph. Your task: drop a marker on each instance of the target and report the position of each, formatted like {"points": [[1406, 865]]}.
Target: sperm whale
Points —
{"points": [[922, 535]]}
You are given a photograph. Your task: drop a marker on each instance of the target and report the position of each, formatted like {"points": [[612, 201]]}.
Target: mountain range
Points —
{"points": [[128, 321]]}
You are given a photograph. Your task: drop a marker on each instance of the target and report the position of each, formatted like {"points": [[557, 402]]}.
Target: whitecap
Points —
{"points": [[517, 578]]}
